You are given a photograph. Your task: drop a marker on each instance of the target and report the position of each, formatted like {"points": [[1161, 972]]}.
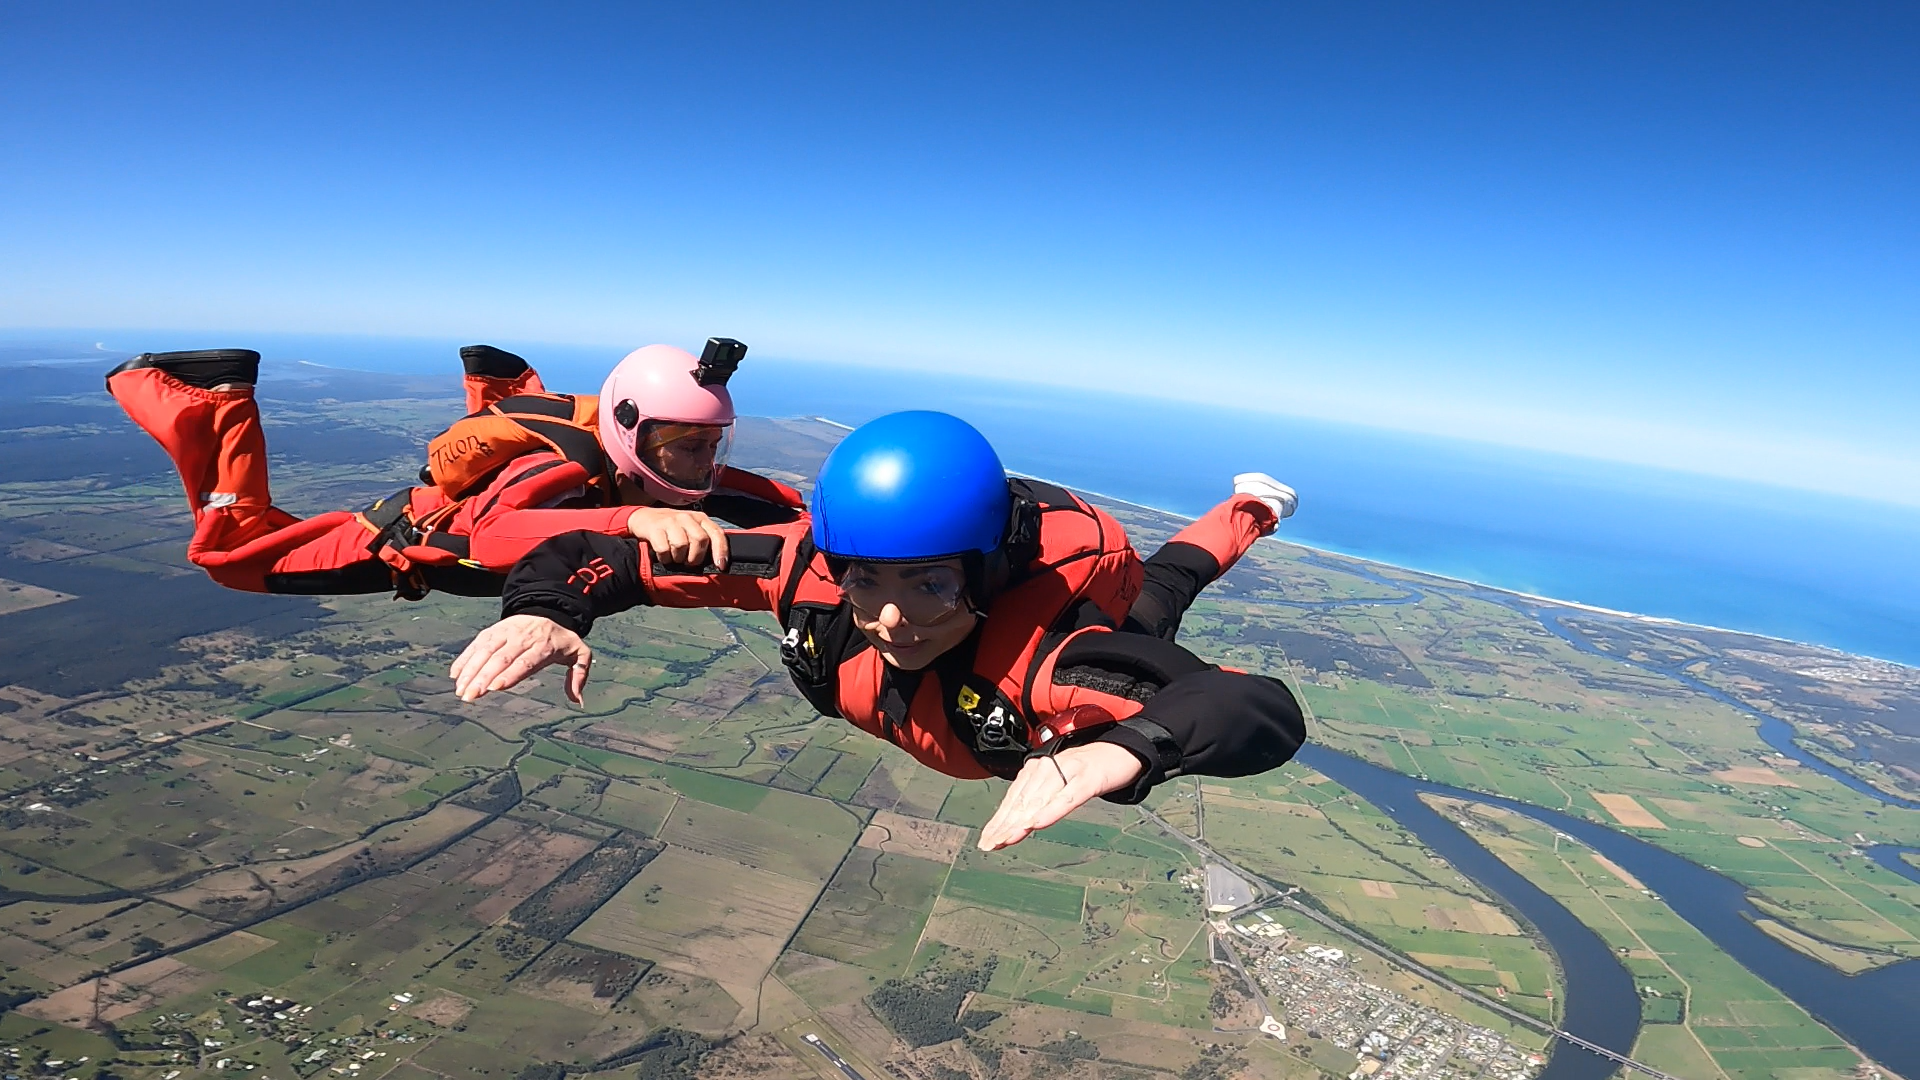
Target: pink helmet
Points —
{"points": [[666, 419]]}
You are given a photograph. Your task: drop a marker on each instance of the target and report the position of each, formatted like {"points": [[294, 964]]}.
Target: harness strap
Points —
{"points": [[803, 554], [748, 555], [386, 517], [573, 443], [407, 547], [393, 530], [897, 690]]}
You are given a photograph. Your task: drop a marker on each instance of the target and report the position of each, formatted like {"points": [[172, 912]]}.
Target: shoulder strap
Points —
{"points": [[1024, 553], [1071, 621], [574, 443], [819, 637], [803, 554], [559, 406], [1042, 494]]}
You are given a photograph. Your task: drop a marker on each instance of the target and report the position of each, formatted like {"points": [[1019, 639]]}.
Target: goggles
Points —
{"points": [[685, 455], [926, 595]]}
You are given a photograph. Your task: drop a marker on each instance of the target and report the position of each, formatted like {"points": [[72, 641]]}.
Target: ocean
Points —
{"points": [[1797, 565], [1806, 567]]}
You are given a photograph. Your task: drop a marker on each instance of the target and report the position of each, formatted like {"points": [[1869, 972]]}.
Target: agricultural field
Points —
{"points": [[261, 830], [1704, 1016], [1464, 686]]}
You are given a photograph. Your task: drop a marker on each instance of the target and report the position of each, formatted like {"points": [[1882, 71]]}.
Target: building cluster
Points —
{"points": [[217, 1042], [1260, 926], [34, 1064], [1391, 1037]]}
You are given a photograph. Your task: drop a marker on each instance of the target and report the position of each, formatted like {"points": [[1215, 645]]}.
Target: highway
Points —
{"points": [[838, 1062], [1517, 1017]]}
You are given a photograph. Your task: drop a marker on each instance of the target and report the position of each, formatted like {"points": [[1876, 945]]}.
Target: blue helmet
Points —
{"points": [[911, 486]]}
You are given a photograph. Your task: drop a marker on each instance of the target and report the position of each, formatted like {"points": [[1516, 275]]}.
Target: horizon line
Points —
{"points": [[1415, 431]]}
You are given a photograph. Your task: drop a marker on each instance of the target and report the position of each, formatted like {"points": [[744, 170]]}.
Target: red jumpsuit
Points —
{"points": [[245, 542], [1051, 664]]}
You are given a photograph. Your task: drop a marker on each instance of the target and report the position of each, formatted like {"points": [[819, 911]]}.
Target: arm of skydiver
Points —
{"points": [[1133, 711], [1178, 714], [553, 596], [525, 506], [578, 577], [550, 601]]}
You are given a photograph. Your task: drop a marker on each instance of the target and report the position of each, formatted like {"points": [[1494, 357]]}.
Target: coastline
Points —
{"points": [[1534, 598]]}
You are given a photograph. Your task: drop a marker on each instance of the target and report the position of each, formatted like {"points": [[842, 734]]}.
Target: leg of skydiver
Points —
{"points": [[493, 374], [200, 407], [1198, 554]]}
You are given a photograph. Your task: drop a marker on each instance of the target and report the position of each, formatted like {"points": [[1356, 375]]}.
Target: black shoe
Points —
{"points": [[204, 368], [492, 363]]}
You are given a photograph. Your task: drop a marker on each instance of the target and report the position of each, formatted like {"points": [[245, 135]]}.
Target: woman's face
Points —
{"points": [[910, 612]]}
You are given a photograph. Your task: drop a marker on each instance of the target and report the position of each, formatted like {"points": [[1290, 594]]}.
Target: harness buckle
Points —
{"points": [[999, 730]]}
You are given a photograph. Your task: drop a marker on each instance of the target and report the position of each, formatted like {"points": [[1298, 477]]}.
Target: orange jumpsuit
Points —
{"points": [[245, 542]]}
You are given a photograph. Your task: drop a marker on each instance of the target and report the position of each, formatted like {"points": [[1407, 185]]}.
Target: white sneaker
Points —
{"points": [[1268, 490]]}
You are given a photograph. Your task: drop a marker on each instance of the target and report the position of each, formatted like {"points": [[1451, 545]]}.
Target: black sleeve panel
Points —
{"points": [[1224, 723], [1196, 718], [576, 578], [1137, 658], [747, 511]]}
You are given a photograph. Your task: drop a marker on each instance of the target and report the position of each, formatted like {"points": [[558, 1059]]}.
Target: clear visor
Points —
{"points": [[925, 593], [687, 456]]}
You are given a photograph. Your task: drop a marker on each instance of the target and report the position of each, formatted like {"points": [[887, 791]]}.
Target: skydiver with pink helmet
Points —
{"points": [[670, 433], [645, 458]]}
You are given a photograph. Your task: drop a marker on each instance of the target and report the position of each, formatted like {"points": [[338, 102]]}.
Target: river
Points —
{"points": [[1774, 731], [1873, 1010], [1599, 1002]]}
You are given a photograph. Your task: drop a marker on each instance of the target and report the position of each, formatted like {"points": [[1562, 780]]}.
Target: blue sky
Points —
{"points": [[1673, 234]]}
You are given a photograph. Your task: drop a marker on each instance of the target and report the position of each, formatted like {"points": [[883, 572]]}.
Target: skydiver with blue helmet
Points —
{"points": [[989, 626]]}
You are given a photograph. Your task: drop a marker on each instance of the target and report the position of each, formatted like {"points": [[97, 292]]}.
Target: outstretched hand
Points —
{"points": [[680, 538], [1050, 788], [516, 647]]}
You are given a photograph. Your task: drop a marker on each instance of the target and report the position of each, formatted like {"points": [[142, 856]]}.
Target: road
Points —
{"points": [[1253, 984], [838, 1062], [1207, 852]]}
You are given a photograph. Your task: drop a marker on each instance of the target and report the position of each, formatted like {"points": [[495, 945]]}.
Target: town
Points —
{"points": [[1391, 1037]]}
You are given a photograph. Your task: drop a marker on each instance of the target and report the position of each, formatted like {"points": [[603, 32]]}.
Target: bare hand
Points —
{"points": [[1049, 789], [516, 647], [684, 538]]}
